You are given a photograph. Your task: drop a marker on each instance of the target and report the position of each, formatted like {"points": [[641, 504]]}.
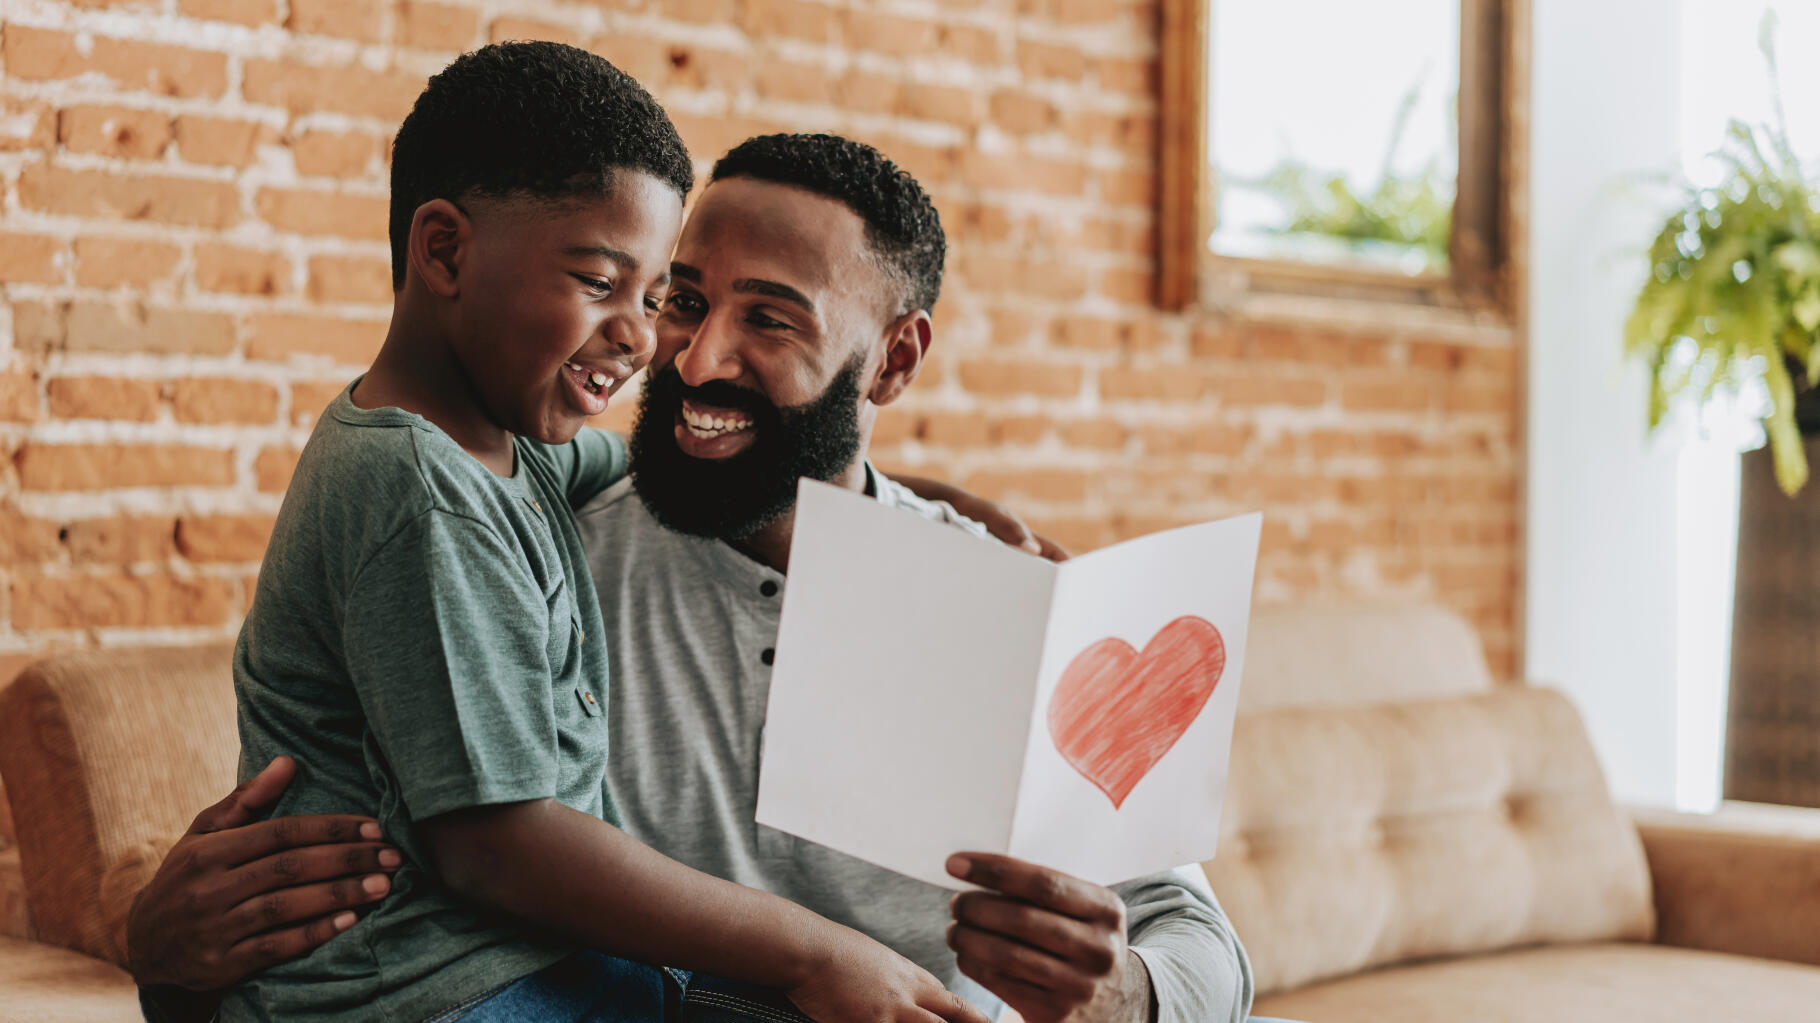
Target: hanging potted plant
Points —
{"points": [[1732, 304]]}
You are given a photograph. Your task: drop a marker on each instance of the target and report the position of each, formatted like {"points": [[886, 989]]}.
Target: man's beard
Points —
{"points": [[733, 498]]}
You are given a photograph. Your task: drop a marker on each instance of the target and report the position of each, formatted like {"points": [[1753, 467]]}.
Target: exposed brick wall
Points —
{"points": [[192, 258]]}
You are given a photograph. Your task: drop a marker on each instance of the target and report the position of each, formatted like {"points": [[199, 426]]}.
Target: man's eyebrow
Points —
{"points": [[755, 286], [685, 272]]}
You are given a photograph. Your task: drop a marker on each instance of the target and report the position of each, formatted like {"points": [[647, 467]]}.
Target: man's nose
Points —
{"points": [[711, 354]]}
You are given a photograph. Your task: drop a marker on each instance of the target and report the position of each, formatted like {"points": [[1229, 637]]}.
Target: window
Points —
{"points": [[1354, 151]]}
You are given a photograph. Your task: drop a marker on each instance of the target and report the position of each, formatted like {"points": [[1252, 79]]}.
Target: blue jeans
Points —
{"points": [[589, 987]]}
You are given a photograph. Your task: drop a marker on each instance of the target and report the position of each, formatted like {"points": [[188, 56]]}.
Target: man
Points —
{"points": [[803, 286]]}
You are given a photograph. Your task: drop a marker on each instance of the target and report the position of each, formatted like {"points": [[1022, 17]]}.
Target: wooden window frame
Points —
{"points": [[1480, 280]]}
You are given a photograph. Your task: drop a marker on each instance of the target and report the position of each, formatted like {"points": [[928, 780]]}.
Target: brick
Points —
{"points": [[1021, 429], [29, 258], [437, 26], [26, 124], [794, 81], [223, 400], [240, 12], [971, 44], [859, 92], [111, 262], [121, 540], [1018, 172], [954, 105], [1034, 375], [1030, 484], [893, 426], [1500, 397], [503, 29], [1090, 334], [314, 211], [1164, 383], [114, 131], [636, 56], [223, 538], [347, 19], [39, 326], [1131, 287], [885, 33], [1317, 348], [1386, 396], [18, 397], [350, 279], [702, 12], [1045, 60], [1098, 434], [111, 466], [1199, 439], [334, 154], [220, 141], [43, 602], [129, 398], [1133, 77], [1128, 188], [955, 429], [1022, 113], [26, 540], [241, 271], [273, 467], [1216, 341], [1252, 389], [276, 337], [788, 19], [310, 397], [36, 54], [139, 196], [308, 88], [1453, 358], [136, 327]]}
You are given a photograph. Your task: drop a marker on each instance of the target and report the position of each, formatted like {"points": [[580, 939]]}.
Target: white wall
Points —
{"points": [[1601, 606]]}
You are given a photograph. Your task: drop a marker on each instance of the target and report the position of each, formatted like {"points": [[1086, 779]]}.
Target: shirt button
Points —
{"points": [[588, 697], [538, 508], [768, 656], [767, 589]]}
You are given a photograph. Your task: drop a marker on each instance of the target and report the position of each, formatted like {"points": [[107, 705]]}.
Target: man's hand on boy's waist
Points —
{"points": [[233, 897]]}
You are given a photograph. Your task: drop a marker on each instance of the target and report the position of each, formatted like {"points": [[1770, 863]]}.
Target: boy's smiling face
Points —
{"points": [[555, 301]]}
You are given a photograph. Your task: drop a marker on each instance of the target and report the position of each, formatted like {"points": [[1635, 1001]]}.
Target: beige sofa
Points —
{"points": [[1403, 840]]}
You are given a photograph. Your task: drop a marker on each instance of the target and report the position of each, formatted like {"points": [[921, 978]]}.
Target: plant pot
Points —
{"points": [[1772, 733]]}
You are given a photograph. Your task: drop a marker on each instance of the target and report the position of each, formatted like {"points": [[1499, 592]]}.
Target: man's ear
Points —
{"points": [[905, 345], [440, 236]]}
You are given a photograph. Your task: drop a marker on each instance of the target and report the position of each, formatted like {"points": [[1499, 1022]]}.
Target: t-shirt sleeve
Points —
{"points": [[445, 640], [595, 460]]}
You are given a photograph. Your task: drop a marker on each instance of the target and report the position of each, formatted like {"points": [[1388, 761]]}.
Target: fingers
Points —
{"points": [[255, 841], [293, 867], [994, 953], [1090, 948], [1050, 550], [286, 906], [1050, 889], [953, 1008], [262, 950], [238, 807]]}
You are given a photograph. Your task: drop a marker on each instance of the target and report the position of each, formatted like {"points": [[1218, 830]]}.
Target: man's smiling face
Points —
{"points": [[771, 340]]}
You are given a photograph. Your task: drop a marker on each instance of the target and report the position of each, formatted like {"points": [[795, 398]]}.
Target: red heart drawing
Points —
{"points": [[1116, 712]]}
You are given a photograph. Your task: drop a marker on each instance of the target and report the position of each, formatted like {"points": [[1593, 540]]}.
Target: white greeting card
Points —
{"points": [[933, 693]]}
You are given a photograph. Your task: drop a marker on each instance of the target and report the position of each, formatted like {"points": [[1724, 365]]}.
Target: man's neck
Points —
{"points": [[419, 373], [771, 545]]}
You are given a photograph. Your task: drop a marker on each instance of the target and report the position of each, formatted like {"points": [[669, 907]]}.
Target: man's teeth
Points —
{"points": [[704, 425]]}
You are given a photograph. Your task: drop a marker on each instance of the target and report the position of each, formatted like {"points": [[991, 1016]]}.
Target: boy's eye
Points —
{"points": [[594, 284]]}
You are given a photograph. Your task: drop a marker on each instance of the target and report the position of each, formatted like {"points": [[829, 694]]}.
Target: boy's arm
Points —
{"points": [[595, 460], [999, 520]]}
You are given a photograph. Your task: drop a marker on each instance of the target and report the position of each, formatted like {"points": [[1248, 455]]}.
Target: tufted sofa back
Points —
{"points": [[1361, 835]]}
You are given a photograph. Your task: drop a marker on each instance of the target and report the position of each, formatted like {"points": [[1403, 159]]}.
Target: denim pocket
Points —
{"points": [[714, 1000]]}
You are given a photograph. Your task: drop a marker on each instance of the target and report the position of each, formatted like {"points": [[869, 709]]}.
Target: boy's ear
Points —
{"points": [[905, 345], [440, 234]]}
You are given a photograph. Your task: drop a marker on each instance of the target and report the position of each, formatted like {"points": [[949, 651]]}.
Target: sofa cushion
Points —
{"points": [[105, 752], [1565, 984], [42, 984], [1355, 837], [1299, 655]]}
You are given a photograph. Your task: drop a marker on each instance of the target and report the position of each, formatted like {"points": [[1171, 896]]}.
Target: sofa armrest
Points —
{"points": [[1744, 880]]}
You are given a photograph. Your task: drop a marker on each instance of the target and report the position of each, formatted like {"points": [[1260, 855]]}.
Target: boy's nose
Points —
{"points": [[631, 339]]}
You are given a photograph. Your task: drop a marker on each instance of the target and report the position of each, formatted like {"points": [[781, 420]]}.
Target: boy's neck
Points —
{"points": [[418, 372]]}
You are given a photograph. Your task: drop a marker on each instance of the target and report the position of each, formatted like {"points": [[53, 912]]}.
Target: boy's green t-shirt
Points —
{"points": [[424, 637]]}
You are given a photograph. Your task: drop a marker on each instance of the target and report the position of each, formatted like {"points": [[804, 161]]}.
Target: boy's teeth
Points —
{"points": [[598, 379]]}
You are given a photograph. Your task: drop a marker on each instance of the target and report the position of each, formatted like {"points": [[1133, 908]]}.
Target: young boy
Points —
{"points": [[424, 636]]}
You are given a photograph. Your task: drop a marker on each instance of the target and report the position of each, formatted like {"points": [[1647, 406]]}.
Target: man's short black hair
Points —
{"points": [[901, 223], [539, 119]]}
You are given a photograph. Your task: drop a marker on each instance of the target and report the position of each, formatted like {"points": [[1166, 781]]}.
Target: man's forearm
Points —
{"points": [[1195, 965], [546, 863]]}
